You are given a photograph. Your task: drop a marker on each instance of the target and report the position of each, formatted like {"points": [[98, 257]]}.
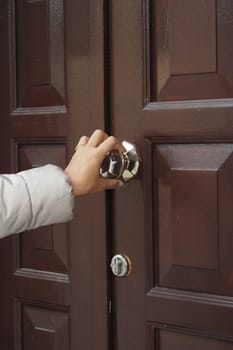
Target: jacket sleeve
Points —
{"points": [[33, 198]]}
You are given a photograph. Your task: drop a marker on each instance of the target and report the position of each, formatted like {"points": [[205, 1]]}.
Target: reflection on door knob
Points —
{"points": [[123, 166], [121, 265]]}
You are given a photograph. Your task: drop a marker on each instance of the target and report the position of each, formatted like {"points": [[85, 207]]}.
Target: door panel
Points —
{"points": [[167, 339], [40, 53], [194, 191], [170, 94], [180, 29], [44, 328], [44, 248]]}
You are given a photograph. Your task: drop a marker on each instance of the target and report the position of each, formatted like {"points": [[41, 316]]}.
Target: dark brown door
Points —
{"points": [[168, 88], [50, 297], [170, 92]]}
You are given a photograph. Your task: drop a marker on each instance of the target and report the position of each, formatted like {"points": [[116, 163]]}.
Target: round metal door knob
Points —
{"points": [[121, 265], [123, 166]]}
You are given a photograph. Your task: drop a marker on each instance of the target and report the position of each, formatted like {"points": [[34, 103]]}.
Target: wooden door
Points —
{"points": [[170, 92], [50, 297]]}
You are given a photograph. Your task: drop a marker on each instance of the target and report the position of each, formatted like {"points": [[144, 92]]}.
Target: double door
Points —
{"points": [[158, 74]]}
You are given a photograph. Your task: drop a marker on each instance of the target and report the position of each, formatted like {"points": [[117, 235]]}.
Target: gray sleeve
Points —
{"points": [[33, 198]]}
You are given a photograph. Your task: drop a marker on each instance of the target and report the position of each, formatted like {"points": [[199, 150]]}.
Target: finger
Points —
{"points": [[97, 137], [120, 147], [82, 142], [111, 143]]}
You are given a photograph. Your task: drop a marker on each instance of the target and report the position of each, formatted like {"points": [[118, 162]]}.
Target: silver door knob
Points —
{"points": [[123, 166], [121, 265]]}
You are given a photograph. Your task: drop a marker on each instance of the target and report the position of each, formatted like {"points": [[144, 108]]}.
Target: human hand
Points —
{"points": [[83, 169]]}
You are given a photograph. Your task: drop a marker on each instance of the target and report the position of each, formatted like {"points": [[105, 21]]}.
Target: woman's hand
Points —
{"points": [[83, 169]]}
